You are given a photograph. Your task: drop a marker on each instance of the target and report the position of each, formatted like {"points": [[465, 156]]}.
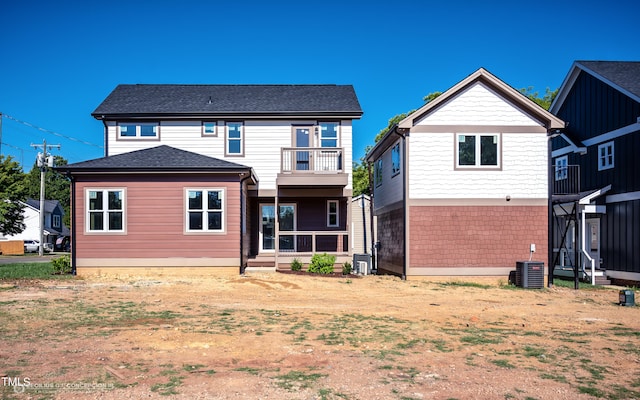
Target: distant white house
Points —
{"points": [[54, 227]]}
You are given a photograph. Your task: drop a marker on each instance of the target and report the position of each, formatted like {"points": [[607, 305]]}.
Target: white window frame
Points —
{"points": [[336, 213], [205, 210], [606, 161], [395, 160], [562, 168], [228, 139], [138, 130], [478, 151], [105, 210], [323, 128], [206, 125]]}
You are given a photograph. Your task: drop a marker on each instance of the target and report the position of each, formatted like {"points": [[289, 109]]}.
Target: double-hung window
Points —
{"points": [[55, 221], [205, 210], [141, 130], [605, 156], [478, 151], [333, 214], [105, 210], [561, 168], [329, 134], [235, 139]]}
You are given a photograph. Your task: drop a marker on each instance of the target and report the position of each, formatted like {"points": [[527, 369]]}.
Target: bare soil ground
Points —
{"points": [[277, 336]]}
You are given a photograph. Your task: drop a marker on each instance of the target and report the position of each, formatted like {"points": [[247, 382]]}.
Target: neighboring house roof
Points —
{"points": [[49, 205], [150, 101], [156, 159], [623, 76], [546, 118]]}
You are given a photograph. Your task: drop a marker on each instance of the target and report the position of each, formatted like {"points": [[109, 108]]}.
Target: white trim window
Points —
{"points": [[205, 210], [333, 213], [561, 168], [209, 128], [478, 150], [140, 130], [395, 160], [234, 139], [605, 156], [55, 221], [105, 210], [329, 134]]}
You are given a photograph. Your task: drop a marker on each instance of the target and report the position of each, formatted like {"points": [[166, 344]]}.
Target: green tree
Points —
{"points": [[12, 191], [544, 101], [57, 186]]}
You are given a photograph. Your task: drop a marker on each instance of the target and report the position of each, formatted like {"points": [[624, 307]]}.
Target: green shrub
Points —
{"points": [[296, 265], [346, 268], [322, 263], [61, 265]]}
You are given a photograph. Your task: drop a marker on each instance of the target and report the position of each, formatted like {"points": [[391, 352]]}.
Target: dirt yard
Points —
{"points": [[277, 336]]}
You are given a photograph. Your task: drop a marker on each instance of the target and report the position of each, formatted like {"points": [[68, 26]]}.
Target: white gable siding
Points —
{"points": [[262, 143], [477, 105], [432, 174]]}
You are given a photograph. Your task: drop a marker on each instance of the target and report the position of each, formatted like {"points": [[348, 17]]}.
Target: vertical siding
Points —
{"points": [[155, 220]]}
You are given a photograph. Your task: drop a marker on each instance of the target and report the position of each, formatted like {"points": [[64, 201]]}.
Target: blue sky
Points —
{"points": [[60, 59]]}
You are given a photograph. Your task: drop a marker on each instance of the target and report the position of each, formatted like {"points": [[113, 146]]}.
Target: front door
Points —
{"points": [[592, 241], [287, 223], [303, 139], [267, 227]]}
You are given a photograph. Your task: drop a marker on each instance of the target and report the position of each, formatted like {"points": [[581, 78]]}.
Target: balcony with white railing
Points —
{"points": [[312, 166]]}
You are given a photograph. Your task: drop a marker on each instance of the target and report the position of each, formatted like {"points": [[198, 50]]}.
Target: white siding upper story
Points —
{"points": [[389, 190], [433, 175], [477, 105], [263, 141]]}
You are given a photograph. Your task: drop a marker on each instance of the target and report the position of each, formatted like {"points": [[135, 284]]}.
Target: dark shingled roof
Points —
{"points": [[625, 74], [161, 158], [241, 100]]}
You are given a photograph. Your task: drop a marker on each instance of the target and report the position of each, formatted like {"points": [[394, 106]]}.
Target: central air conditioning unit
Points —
{"points": [[530, 274], [362, 263]]}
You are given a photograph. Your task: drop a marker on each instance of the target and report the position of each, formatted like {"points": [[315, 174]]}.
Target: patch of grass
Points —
{"points": [[296, 380], [569, 284], [249, 370], [441, 345], [503, 363], [465, 284], [554, 377], [590, 390], [327, 394], [42, 270], [480, 337], [192, 367], [169, 388]]}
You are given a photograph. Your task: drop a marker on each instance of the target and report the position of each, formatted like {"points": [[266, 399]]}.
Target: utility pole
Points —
{"points": [[43, 161]]}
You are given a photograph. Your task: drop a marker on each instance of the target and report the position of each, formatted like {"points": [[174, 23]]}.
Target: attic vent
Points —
{"points": [[209, 102]]}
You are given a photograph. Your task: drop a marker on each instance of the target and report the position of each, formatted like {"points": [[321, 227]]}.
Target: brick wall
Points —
{"points": [[476, 236], [391, 252]]}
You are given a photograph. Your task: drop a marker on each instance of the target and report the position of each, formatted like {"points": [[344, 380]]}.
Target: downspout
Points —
{"points": [[243, 221], [374, 252], [404, 200], [584, 251], [106, 137], [73, 224], [364, 224], [551, 231]]}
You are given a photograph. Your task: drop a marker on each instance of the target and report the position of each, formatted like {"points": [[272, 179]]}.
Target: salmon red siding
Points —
{"points": [[155, 221]]}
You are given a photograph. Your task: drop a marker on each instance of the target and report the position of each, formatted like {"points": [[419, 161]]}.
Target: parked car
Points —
{"points": [[31, 246]]}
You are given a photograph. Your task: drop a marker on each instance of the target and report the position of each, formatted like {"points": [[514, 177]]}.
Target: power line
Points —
{"points": [[50, 131]]}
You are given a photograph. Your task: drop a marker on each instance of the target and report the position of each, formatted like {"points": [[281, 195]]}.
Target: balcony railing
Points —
{"points": [[566, 180], [311, 242], [312, 160]]}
